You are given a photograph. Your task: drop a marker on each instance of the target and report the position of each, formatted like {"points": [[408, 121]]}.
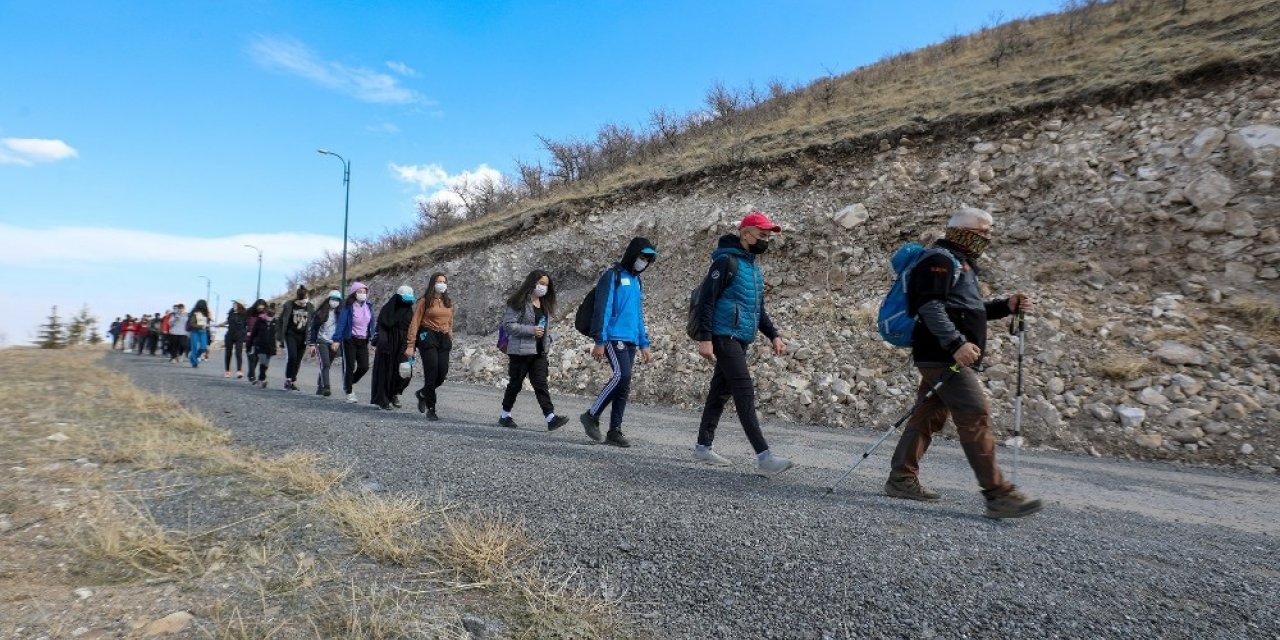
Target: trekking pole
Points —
{"points": [[951, 371], [1018, 327]]}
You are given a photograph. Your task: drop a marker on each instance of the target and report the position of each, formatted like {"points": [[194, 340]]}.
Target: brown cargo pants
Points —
{"points": [[963, 399]]}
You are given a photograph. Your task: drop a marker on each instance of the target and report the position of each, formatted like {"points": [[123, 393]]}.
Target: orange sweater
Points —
{"points": [[436, 317]]}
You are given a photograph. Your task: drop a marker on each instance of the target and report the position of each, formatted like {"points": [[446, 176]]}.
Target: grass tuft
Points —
{"points": [[1123, 367], [385, 528]]}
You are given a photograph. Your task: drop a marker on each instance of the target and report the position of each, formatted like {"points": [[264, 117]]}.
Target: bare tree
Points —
{"points": [[532, 178], [722, 101]]}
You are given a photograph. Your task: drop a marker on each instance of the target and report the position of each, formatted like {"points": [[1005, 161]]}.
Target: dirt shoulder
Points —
{"points": [[124, 514]]}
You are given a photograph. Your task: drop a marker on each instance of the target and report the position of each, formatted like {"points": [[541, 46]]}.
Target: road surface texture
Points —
{"points": [[1121, 550]]}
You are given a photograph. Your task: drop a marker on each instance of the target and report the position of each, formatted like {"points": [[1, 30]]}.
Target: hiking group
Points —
{"points": [[934, 307]]}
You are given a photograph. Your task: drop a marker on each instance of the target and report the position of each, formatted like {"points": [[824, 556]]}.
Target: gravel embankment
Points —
{"points": [[1121, 549]]}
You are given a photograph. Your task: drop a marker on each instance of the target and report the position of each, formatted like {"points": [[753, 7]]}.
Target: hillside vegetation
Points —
{"points": [[1089, 53]]}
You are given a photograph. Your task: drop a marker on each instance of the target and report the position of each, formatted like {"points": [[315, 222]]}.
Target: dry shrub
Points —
{"points": [[388, 529], [118, 532], [1123, 367]]}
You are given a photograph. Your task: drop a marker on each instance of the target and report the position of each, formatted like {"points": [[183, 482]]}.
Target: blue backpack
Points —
{"points": [[894, 323]]}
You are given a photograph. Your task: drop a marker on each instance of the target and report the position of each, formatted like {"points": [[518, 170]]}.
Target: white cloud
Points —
{"points": [[402, 68], [28, 151], [436, 184], [384, 127], [70, 247], [290, 56]]}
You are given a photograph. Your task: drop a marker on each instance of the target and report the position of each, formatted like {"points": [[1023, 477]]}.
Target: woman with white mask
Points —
{"points": [[527, 325], [431, 333], [356, 328], [320, 342]]}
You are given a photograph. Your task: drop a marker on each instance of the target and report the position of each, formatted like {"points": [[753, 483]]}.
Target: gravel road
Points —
{"points": [[1121, 550]]}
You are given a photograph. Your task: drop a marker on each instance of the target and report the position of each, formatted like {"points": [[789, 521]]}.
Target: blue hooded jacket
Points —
{"points": [[619, 309]]}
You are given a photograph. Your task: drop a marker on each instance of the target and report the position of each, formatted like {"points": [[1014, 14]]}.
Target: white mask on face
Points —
{"points": [[333, 304], [362, 297], [539, 290], [640, 265], [441, 287]]}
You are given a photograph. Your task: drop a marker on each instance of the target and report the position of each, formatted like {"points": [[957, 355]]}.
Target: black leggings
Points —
{"points": [[295, 345], [434, 352], [732, 378], [535, 368], [355, 361], [238, 347]]}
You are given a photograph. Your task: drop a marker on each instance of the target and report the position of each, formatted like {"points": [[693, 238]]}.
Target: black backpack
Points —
{"points": [[582, 319], [695, 300]]}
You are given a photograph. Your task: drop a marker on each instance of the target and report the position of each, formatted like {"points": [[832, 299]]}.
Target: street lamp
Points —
{"points": [[258, 295], [208, 284], [346, 210]]}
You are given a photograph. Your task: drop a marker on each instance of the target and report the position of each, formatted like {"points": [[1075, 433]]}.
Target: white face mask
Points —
{"points": [[539, 290], [441, 287], [640, 265], [333, 304], [362, 297]]}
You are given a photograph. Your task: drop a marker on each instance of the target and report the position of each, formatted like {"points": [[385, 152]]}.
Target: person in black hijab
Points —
{"points": [[393, 336]]}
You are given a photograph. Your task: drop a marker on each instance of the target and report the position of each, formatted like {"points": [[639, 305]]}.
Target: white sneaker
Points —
{"points": [[710, 457], [352, 399], [773, 465]]}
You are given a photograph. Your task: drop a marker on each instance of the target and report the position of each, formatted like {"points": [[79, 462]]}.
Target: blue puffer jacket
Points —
{"points": [[738, 310]]}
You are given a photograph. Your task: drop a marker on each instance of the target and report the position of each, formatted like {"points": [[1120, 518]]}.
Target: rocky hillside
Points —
{"points": [[1148, 231]]}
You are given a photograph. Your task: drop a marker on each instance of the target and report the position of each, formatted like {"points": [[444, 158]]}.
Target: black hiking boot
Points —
{"points": [[616, 439], [910, 488], [592, 425], [422, 402], [557, 422], [431, 414], [508, 423], [395, 401], [327, 392], [1013, 504]]}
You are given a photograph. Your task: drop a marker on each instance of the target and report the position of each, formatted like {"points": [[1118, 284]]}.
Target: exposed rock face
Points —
{"points": [[1138, 227]]}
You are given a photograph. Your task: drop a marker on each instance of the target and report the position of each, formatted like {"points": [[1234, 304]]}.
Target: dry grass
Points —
{"points": [[1108, 52], [484, 547], [1261, 314], [558, 610], [385, 528], [1123, 367], [297, 472], [117, 533]]}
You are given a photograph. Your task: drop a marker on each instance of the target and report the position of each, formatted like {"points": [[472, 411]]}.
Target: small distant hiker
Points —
{"points": [[951, 328], [178, 332], [261, 341], [618, 329], [116, 332], [527, 324], [431, 333], [731, 313], [198, 323], [294, 323], [386, 384], [323, 323], [154, 333], [142, 334], [234, 339], [356, 327]]}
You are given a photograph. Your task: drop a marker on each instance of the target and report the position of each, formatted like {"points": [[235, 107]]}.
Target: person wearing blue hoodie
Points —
{"points": [[731, 313], [355, 330], [618, 328]]}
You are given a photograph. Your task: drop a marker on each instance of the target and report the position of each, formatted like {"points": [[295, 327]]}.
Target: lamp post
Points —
{"points": [[346, 210], [208, 284], [258, 294]]}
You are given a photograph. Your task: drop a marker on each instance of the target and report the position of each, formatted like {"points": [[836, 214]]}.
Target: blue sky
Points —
{"points": [[143, 143]]}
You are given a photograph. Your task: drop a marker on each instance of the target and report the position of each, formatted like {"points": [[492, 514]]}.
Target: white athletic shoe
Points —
{"points": [[710, 457], [352, 399], [773, 465]]}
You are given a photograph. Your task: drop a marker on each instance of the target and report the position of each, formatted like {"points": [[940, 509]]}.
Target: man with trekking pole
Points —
{"points": [[947, 344]]}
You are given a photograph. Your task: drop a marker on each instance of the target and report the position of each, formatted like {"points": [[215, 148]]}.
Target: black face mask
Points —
{"points": [[759, 247]]}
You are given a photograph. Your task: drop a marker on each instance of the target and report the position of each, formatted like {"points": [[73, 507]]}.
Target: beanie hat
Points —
{"points": [[356, 286], [335, 294], [405, 290]]}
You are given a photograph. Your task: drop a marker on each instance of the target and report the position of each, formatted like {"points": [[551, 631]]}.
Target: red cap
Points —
{"points": [[759, 219]]}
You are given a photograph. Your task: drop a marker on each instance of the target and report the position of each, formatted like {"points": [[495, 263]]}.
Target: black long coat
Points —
{"points": [[393, 337]]}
